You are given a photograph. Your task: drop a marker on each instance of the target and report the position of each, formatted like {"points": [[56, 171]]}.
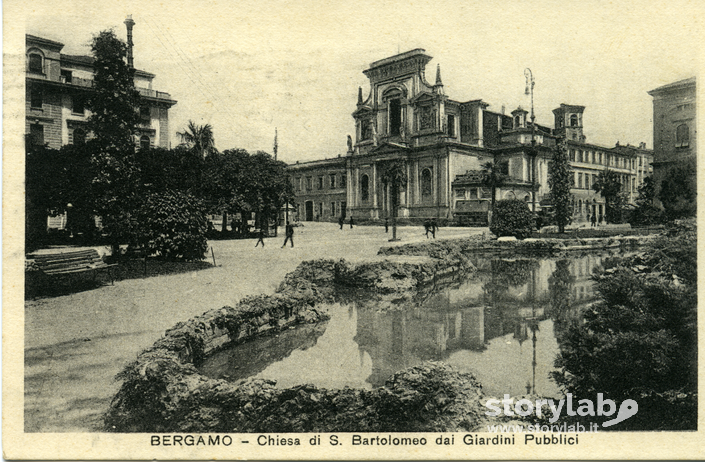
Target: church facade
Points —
{"points": [[446, 145]]}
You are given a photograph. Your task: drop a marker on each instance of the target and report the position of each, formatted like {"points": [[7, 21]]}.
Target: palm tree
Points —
{"points": [[395, 175], [493, 178], [199, 138]]}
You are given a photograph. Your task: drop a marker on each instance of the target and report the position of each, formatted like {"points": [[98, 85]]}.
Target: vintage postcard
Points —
{"points": [[337, 230]]}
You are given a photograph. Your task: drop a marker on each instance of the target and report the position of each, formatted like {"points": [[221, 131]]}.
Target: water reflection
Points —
{"points": [[502, 323]]}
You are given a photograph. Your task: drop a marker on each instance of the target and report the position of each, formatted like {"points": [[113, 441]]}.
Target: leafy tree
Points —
{"points": [[560, 182], [609, 186], [512, 217], [678, 192], [646, 212], [237, 182], [113, 121], [199, 138], [493, 178], [395, 176]]}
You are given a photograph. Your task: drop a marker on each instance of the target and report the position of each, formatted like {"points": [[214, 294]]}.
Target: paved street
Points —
{"points": [[75, 344]]}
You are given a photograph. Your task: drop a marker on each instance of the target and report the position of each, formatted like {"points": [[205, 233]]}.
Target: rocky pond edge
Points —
{"points": [[163, 391]]}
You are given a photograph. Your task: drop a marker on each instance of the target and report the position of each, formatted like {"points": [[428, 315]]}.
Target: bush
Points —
{"points": [[173, 225], [640, 341], [512, 218]]}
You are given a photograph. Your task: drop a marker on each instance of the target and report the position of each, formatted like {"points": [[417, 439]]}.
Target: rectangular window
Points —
{"points": [[332, 181], [309, 183], [79, 104], [332, 209], [35, 64], [575, 180], [343, 180], [580, 181], [320, 183], [66, 76], [451, 126], [36, 134], [36, 98], [460, 193]]}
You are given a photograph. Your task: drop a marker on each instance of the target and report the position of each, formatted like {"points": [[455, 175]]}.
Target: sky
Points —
{"points": [[250, 67]]}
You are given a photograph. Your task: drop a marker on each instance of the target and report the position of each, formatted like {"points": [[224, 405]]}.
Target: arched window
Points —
{"points": [[79, 136], [395, 117], [510, 195], [574, 120], [144, 142], [682, 136], [517, 122], [527, 198], [426, 184], [36, 63], [365, 188]]}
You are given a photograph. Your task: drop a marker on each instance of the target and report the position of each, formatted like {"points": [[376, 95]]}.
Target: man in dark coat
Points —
{"points": [[289, 235]]}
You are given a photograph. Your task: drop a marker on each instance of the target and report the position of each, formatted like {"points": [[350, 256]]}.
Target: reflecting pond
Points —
{"points": [[502, 323]]}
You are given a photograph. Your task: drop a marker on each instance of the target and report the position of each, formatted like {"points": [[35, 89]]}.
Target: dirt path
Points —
{"points": [[75, 344]]}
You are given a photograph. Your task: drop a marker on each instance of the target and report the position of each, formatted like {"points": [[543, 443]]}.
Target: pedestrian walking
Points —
{"points": [[289, 235], [434, 228], [352, 222], [426, 227], [593, 220], [341, 221], [260, 237], [386, 225]]}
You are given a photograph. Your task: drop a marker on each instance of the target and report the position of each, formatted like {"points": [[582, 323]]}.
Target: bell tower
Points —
{"points": [[569, 122]]}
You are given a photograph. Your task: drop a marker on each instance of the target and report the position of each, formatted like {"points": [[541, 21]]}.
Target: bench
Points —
{"points": [[55, 264]]}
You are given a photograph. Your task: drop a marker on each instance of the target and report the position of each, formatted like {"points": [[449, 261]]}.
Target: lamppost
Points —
{"points": [[530, 91]]}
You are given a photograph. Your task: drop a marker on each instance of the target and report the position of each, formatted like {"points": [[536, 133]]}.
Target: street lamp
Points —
{"points": [[530, 91]]}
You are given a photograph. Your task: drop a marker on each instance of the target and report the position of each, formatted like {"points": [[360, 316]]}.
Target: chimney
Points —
{"points": [[129, 23]]}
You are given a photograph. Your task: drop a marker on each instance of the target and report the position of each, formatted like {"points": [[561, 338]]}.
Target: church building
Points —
{"points": [[446, 146]]}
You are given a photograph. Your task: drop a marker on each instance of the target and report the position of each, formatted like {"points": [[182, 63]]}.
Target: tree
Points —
{"points": [[609, 186], [647, 212], [395, 176], [493, 177], [114, 118], [513, 218], [560, 181], [199, 138], [678, 192]]}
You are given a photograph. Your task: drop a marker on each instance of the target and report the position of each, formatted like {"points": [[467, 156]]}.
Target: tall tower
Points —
{"points": [[569, 122], [130, 24]]}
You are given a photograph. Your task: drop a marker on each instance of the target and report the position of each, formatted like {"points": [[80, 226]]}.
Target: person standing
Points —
{"points": [[341, 221], [386, 225], [593, 220], [434, 228], [352, 222], [260, 237], [289, 235]]}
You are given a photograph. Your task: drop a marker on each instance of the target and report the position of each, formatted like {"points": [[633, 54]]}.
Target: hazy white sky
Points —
{"points": [[247, 67]]}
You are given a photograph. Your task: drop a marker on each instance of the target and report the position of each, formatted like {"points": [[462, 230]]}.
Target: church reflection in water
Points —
{"points": [[504, 323], [504, 298]]}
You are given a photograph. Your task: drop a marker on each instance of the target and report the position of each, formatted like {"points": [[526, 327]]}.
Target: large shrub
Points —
{"points": [[173, 225], [640, 341], [512, 217]]}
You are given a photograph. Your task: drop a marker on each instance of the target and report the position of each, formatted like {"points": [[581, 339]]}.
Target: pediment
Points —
{"points": [[423, 97], [388, 148]]}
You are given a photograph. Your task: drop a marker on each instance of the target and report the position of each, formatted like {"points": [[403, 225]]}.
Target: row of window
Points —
{"points": [[596, 157], [587, 180], [78, 104], [306, 183], [76, 136], [426, 120], [426, 185]]}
